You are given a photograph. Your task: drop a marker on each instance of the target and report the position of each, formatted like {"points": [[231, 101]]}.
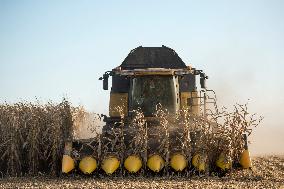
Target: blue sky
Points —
{"points": [[51, 49]]}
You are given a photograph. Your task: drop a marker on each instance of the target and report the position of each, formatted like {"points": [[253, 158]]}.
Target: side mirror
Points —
{"points": [[105, 83], [105, 79], [202, 82], [203, 78]]}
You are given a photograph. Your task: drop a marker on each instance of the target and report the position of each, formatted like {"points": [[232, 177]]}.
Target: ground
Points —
{"points": [[268, 172]]}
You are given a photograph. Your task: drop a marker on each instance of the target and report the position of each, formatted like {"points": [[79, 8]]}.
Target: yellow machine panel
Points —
{"points": [[190, 100], [118, 104]]}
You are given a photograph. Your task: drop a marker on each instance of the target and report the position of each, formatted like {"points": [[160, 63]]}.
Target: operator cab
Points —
{"points": [[149, 92]]}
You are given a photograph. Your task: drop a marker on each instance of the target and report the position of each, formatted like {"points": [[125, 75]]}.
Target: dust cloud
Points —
{"points": [[86, 124], [268, 137]]}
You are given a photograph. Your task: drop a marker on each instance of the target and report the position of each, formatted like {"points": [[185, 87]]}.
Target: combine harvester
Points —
{"points": [[136, 140]]}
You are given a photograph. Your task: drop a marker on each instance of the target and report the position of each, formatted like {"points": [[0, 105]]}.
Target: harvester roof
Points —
{"points": [[152, 57]]}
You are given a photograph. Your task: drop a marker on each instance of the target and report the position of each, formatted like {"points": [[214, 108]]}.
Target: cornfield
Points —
{"points": [[32, 137]]}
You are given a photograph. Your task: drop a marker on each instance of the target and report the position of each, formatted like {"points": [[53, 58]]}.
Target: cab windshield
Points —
{"points": [[150, 91]]}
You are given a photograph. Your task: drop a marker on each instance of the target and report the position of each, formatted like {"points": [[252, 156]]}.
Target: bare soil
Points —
{"points": [[268, 172]]}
